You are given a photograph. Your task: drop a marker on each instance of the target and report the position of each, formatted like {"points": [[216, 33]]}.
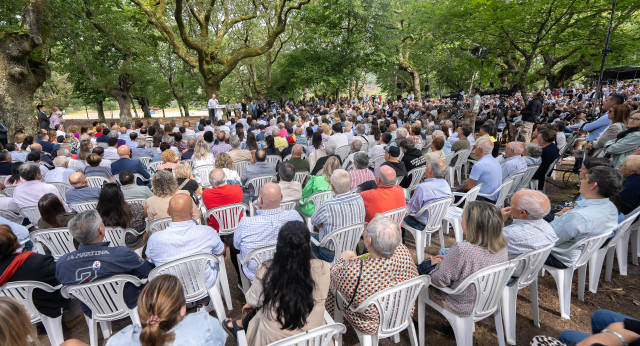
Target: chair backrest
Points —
{"points": [[96, 181], [8, 191], [190, 271], [256, 184], [153, 166], [553, 165], [104, 297], [11, 216], [227, 216], [343, 239], [436, 211], [203, 172], [588, 246], [102, 145], [31, 213], [320, 197], [376, 162], [302, 177], [116, 235], [140, 201], [395, 304], [22, 291], [289, 205], [517, 179], [463, 155], [320, 336], [528, 175], [158, 225], [149, 142], [83, 206], [624, 227], [275, 159], [240, 166], [259, 255], [397, 215], [449, 157], [504, 188], [529, 265], [489, 284], [343, 152], [417, 176], [146, 160], [62, 189], [57, 240]]}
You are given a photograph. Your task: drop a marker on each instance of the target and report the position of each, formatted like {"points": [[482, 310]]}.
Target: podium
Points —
{"points": [[218, 111]]}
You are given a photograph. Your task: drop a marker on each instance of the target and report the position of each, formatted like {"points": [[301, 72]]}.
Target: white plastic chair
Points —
{"points": [[320, 336], [502, 191], [105, 299], [635, 241], [162, 223], [258, 256], [153, 166], [83, 206], [422, 237], [190, 271], [8, 191], [417, 177], [140, 201], [227, 216], [517, 179], [57, 240], [203, 173], [376, 162], [564, 277], [456, 169], [31, 213], [289, 205], [618, 244], [535, 183], [302, 177], [342, 239], [116, 236], [62, 189], [489, 284], [317, 199], [394, 305], [343, 152], [528, 175], [454, 212], [397, 215], [529, 267], [97, 181], [11, 216], [22, 291], [275, 159], [146, 160], [240, 166], [255, 185]]}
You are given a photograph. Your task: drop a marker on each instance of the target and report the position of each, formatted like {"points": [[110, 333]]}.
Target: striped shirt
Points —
{"points": [[260, 231], [343, 210], [359, 176]]}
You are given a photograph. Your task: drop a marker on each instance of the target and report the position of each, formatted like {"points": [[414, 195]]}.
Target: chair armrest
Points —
{"points": [[242, 337], [315, 242]]}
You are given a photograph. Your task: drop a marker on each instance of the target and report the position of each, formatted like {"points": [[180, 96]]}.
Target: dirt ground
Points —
{"points": [[621, 295]]}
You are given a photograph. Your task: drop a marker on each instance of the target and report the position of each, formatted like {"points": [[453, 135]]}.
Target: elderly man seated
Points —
{"points": [[486, 171], [344, 209], [301, 165], [355, 146], [434, 188], [184, 237], [60, 174], [532, 154], [261, 230], [29, 193], [593, 216], [258, 169], [95, 259], [81, 191], [237, 154], [529, 231], [127, 163], [220, 194], [291, 189], [514, 163], [388, 196]]}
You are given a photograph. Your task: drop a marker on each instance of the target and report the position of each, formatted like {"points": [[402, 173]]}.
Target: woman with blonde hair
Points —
{"points": [[224, 162], [164, 186], [186, 180], [318, 184], [201, 155], [619, 117], [169, 159], [163, 313], [15, 324], [485, 246]]}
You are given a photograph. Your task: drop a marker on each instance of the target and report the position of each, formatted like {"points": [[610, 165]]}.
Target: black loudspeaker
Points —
{"points": [[402, 85], [491, 85], [427, 87]]}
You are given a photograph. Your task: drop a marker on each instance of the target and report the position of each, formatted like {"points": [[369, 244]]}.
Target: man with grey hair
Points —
{"points": [[220, 193], [529, 231], [29, 193], [60, 174], [486, 171], [355, 146], [300, 164], [188, 154], [141, 150], [237, 154], [95, 259], [291, 189], [344, 209], [533, 154], [401, 134], [514, 163], [361, 173], [434, 188], [73, 164], [5, 162], [388, 196], [361, 129]]}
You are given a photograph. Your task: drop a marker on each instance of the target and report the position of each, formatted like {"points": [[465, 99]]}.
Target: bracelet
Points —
{"points": [[624, 342]]}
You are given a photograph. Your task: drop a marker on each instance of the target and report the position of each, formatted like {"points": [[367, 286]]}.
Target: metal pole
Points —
{"points": [[605, 51]]}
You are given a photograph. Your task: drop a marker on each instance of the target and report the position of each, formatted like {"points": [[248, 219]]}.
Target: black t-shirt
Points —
{"points": [[190, 186], [399, 167]]}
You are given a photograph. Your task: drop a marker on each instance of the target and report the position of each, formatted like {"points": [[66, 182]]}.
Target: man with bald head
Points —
{"points": [[514, 163], [220, 193], [529, 231], [127, 163], [81, 191], [387, 196], [184, 238], [300, 164], [261, 230], [44, 156]]}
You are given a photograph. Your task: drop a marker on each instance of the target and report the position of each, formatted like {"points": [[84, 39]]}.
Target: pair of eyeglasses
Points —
{"points": [[636, 119]]}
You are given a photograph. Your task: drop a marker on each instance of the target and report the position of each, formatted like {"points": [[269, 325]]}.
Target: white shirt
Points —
{"points": [[111, 153], [339, 139], [58, 175], [7, 203], [213, 103], [29, 193]]}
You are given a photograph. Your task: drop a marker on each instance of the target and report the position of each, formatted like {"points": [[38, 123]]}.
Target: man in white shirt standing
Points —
{"points": [[212, 105]]}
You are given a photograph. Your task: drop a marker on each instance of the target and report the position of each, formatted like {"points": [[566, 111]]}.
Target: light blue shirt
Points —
{"points": [[597, 127], [513, 165], [588, 218], [431, 190], [196, 329], [20, 231], [487, 171], [447, 147]]}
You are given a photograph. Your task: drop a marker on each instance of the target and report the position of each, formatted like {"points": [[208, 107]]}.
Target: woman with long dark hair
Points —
{"points": [[115, 212], [288, 293], [14, 179], [271, 149], [52, 212], [252, 145]]}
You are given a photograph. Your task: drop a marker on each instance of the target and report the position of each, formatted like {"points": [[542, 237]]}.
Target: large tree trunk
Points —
{"points": [[100, 108], [122, 96], [186, 110], [144, 104], [20, 73], [212, 86], [405, 65]]}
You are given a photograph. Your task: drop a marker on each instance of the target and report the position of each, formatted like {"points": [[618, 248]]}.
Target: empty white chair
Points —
{"points": [[397, 215], [57, 240], [564, 277], [302, 177], [83, 206], [618, 244], [528, 268], [454, 213], [62, 189], [456, 169], [489, 284], [394, 305], [97, 181], [436, 211], [317, 199], [22, 291], [275, 159], [341, 240], [11, 216], [343, 152], [376, 162], [240, 166], [31, 213], [417, 177], [255, 185], [502, 192], [190, 271], [116, 236], [202, 172], [105, 299], [258, 256]]}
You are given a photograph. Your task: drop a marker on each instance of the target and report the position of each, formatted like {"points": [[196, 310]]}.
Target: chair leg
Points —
{"points": [[224, 283], [421, 318], [595, 268], [413, 339], [497, 317], [216, 300], [463, 330], [419, 239], [53, 326], [563, 283], [622, 253], [135, 318], [441, 235], [533, 292], [635, 241], [509, 297], [93, 332], [609, 263], [106, 329], [457, 230], [396, 338], [582, 279]]}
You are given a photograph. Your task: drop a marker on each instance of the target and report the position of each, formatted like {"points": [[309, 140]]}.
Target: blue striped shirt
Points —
{"points": [[343, 210]]}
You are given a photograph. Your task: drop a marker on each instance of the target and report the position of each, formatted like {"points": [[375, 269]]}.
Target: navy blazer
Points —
{"points": [[134, 165]]}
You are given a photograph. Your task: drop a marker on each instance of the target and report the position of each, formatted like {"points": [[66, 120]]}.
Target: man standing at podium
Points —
{"points": [[212, 105]]}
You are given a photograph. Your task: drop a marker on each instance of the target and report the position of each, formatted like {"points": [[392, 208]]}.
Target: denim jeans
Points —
{"points": [[411, 222], [554, 262], [320, 252], [599, 321]]}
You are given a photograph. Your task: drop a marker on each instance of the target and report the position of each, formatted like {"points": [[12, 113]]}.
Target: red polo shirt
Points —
{"points": [[221, 196], [381, 200]]}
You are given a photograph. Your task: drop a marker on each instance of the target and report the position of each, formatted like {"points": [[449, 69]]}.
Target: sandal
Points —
{"points": [[232, 332]]}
